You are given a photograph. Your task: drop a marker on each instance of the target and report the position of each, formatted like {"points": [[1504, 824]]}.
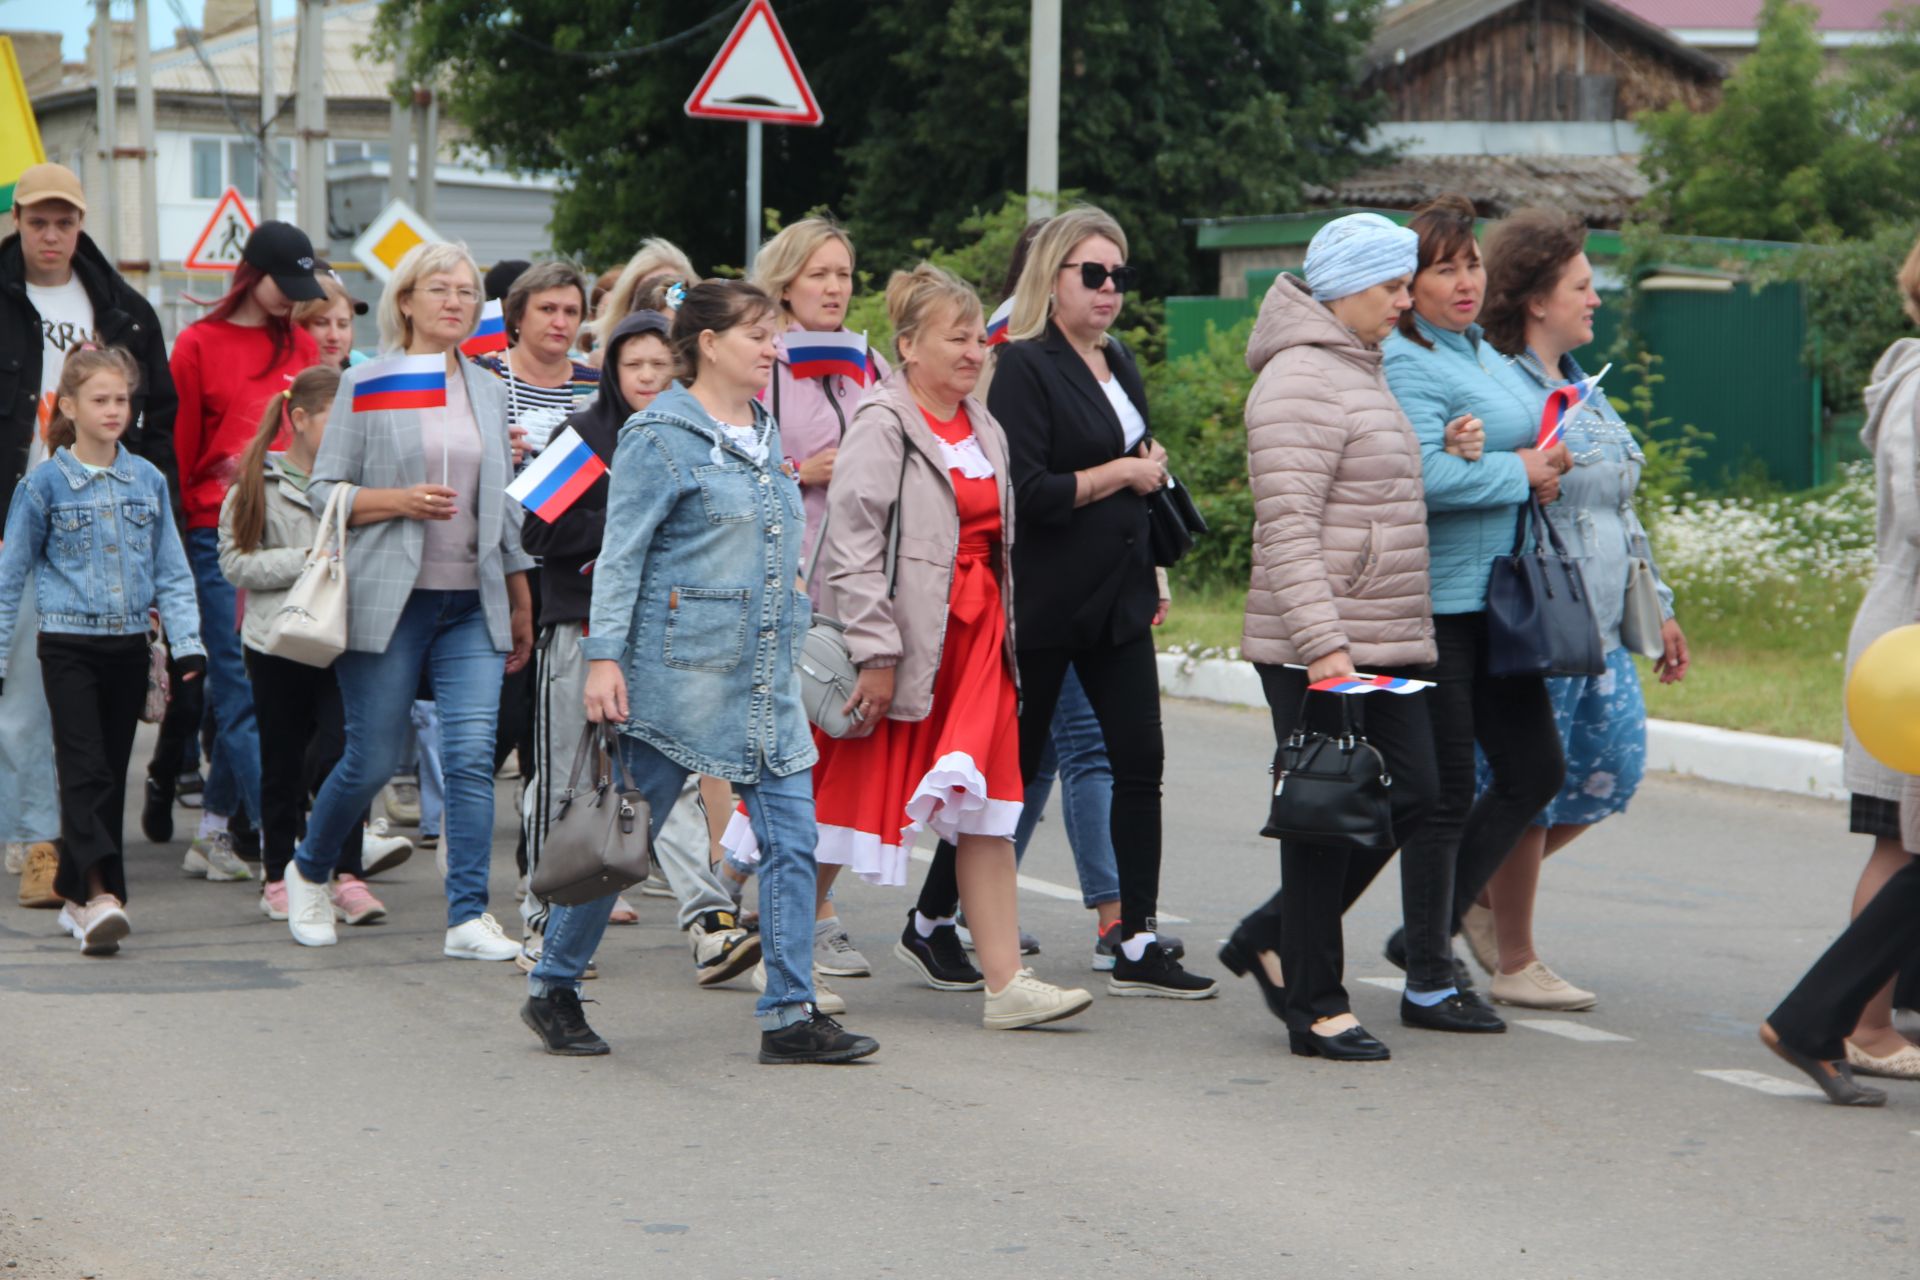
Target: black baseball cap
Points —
{"points": [[283, 252]]}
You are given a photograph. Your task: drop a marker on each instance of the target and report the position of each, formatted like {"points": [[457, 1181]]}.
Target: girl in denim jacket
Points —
{"points": [[93, 524]]}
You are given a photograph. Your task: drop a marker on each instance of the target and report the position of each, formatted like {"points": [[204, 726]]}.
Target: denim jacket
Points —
{"points": [[102, 549], [693, 593], [1594, 515]]}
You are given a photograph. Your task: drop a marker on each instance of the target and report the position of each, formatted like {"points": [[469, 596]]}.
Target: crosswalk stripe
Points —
{"points": [[1764, 1083], [1573, 1030]]}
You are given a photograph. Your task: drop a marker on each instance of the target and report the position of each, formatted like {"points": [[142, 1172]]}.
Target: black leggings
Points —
{"points": [[1464, 841], [302, 735], [1123, 684], [1301, 922]]}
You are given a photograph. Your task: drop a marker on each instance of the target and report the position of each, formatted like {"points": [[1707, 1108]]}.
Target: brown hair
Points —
{"points": [[1910, 284], [916, 297], [82, 363], [1445, 226], [716, 305], [1526, 254], [311, 391], [539, 278]]}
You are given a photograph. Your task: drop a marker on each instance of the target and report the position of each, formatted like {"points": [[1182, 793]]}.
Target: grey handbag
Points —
{"points": [[827, 672], [1640, 619], [600, 838]]}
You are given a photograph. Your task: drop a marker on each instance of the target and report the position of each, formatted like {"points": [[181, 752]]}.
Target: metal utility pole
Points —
{"points": [[269, 107], [107, 99], [426, 145], [149, 182], [754, 209], [1043, 110], [310, 119]]}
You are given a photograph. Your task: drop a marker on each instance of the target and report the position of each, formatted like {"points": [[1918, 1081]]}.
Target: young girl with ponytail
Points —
{"points": [[267, 527], [93, 525]]}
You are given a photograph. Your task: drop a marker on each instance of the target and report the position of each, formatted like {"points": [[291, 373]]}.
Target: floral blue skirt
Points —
{"points": [[1603, 727]]}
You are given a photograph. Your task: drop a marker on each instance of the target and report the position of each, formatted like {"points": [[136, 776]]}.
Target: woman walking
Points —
{"points": [[438, 585], [691, 644], [1540, 305]]}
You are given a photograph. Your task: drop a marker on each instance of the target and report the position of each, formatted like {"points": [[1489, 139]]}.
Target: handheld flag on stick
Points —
{"points": [[1358, 683], [997, 323], [1562, 401], [552, 482], [402, 382], [816, 355], [492, 333]]}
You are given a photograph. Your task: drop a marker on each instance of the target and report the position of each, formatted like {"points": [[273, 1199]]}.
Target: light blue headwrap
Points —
{"points": [[1358, 252]]}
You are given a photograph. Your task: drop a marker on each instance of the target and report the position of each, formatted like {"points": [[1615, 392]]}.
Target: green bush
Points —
{"points": [[1197, 403]]}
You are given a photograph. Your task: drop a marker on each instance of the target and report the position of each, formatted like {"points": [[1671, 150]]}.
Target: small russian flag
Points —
{"points": [[492, 333], [402, 382], [552, 482], [1358, 683], [997, 323], [816, 355], [1562, 401]]}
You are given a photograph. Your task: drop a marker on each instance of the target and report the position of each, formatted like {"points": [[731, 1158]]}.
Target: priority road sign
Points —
{"points": [[221, 241], [389, 236]]}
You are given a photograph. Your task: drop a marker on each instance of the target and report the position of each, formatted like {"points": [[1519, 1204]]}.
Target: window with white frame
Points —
{"points": [[219, 163]]}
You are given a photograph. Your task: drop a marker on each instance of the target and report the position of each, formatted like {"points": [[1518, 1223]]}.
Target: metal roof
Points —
{"points": [[1411, 29], [1602, 190]]}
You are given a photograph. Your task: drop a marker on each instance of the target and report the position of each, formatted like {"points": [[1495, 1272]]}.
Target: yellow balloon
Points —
{"points": [[1883, 699]]}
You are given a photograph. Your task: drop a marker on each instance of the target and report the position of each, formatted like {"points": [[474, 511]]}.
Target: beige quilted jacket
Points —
{"points": [[1340, 525]]}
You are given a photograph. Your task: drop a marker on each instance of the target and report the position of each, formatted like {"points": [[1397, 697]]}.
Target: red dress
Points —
{"points": [[957, 772]]}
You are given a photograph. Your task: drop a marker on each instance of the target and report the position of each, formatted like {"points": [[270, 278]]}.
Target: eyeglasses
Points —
{"points": [[440, 293], [1095, 274]]}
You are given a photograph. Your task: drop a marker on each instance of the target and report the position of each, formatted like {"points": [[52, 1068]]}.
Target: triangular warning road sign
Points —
{"points": [[222, 239], [755, 76]]}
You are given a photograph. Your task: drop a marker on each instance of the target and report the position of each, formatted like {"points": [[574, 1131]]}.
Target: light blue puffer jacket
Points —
{"points": [[1471, 506]]}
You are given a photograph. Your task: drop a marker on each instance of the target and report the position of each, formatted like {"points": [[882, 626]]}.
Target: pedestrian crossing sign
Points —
{"points": [[224, 238], [389, 236]]}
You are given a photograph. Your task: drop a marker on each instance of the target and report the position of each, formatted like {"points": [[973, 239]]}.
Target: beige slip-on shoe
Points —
{"points": [[1538, 987], [1026, 1001], [1902, 1064]]}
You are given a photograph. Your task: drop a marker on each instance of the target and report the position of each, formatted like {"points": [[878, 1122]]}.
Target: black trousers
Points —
{"points": [[96, 686], [303, 731], [1817, 1015], [1464, 841], [1302, 922], [178, 729], [1123, 684]]}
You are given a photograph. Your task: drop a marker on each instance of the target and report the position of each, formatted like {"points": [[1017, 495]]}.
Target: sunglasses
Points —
{"points": [[1094, 274]]}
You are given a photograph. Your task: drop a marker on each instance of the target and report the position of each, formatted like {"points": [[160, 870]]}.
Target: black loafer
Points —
{"points": [[1396, 954], [1355, 1044], [1240, 959], [1456, 1013]]}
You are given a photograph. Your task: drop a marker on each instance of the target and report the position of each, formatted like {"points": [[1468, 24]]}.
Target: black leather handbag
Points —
{"points": [[1331, 790], [1173, 522], [1539, 616]]}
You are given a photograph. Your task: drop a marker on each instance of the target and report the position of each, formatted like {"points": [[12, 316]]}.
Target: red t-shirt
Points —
{"points": [[225, 374]]}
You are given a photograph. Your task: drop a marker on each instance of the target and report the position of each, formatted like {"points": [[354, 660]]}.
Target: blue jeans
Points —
{"points": [[1077, 751], [433, 794], [444, 632], [233, 770], [781, 810]]}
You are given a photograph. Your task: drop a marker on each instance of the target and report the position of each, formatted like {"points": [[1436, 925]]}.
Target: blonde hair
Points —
{"points": [[82, 363], [656, 257], [918, 297], [782, 259], [423, 260], [1910, 284], [303, 312], [1033, 296], [311, 391]]}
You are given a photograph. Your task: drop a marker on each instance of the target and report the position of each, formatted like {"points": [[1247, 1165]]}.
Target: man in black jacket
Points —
{"points": [[58, 290]]}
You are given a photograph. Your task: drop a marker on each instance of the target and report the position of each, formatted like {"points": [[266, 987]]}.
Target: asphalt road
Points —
{"points": [[216, 1102]]}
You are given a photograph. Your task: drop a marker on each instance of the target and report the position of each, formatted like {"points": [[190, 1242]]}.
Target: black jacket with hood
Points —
{"points": [[568, 545], [121, 318]]}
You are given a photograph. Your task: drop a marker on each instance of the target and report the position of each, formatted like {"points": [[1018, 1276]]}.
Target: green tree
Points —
{"points": [[1782, 157]]}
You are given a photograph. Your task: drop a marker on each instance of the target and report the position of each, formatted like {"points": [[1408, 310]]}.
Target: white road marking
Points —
{"points": [[1572, 1030], [1048, 889], [1389, 984], [1764, 1083]]}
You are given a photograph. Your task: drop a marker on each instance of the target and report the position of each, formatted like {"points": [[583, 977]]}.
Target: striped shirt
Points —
{"points": [[542, 410]]}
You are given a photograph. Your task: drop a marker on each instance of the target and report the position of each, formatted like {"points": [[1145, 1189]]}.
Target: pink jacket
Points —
{"points": [[813, 414]]}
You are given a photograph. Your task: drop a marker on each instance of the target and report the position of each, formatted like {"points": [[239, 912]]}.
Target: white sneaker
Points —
{"points": [[401, 800], [380, 851], [309, 910], [1027, 1002], [99, 925], [16, 857], [825, 999], [480, 939], [213, 856]]}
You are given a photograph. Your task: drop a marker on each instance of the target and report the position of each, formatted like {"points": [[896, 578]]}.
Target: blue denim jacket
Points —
{"points": [[102, 549], [693, 593]]}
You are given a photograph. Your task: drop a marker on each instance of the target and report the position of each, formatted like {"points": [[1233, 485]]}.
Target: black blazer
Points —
{"points": [[1084, 575]]}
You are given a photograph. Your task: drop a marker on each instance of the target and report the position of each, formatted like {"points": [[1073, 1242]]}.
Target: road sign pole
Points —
{"points": [[753, 193]]}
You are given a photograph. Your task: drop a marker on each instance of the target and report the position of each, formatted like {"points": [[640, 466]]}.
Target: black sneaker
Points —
{"points": [[562, 1025], [818, 1039], [1156, 973], [1107, 941], [1461, 1011], [940, 960], [1396, 954], [156, 812]]}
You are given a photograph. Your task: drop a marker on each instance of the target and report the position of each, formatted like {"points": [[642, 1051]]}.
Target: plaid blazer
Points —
{"points": [[381, 450]]}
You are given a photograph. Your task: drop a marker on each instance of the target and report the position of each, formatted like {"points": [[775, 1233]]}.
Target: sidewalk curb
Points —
{"points": [[1792, 765]]}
